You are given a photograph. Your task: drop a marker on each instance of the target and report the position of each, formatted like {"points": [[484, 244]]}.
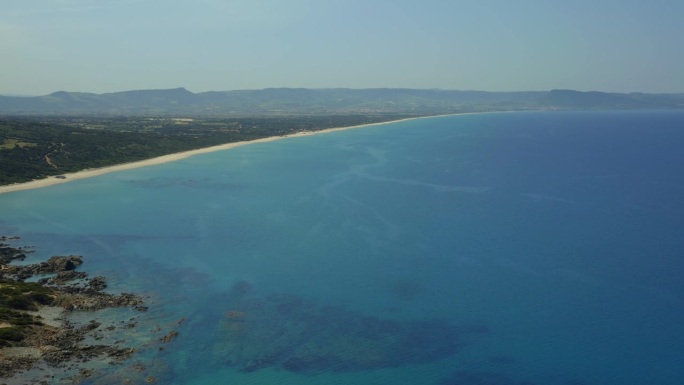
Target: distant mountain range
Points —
{"points": [[285, 101]]}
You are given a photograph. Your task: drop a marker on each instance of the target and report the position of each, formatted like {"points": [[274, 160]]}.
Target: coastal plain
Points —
{"points": [[35, 148], [89, 173]]}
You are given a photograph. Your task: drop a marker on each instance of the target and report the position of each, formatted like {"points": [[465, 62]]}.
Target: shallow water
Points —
{"points": [[512, 248]]}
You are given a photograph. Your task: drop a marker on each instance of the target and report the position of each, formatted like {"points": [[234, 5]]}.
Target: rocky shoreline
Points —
{"points": [[37, 336], [60, 326]]}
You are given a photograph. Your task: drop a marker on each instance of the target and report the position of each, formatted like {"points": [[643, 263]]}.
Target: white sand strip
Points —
{"points": [[89, 173]]}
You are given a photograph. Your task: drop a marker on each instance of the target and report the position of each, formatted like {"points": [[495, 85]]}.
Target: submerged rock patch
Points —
{"points": [[289, 333]]}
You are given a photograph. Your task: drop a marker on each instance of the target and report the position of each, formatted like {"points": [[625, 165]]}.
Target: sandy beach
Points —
{"points": [[89, 173]]}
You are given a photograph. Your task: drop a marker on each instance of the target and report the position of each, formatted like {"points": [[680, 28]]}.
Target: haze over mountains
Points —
{"points": [[279, 101]]}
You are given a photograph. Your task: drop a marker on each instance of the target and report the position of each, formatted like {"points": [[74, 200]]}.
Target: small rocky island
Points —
{"points": [[38, 338]]}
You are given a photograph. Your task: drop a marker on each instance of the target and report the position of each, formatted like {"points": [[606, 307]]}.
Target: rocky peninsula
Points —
{"points": [[39, 340]]}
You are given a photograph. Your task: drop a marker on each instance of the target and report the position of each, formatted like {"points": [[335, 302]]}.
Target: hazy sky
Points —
{"points": [[493, 45]]}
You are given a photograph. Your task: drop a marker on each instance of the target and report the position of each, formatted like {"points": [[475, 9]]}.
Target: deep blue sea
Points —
{"points": [[527, 248]]}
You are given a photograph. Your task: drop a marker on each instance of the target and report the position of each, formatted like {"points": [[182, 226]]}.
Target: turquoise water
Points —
{"points": [[499, 249]]}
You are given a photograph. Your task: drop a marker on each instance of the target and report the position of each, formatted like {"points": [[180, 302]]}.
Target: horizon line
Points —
{"points": [[12, 94]]}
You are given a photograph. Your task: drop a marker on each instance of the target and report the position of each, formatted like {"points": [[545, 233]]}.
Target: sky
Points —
{"points": [[491, 45]]}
